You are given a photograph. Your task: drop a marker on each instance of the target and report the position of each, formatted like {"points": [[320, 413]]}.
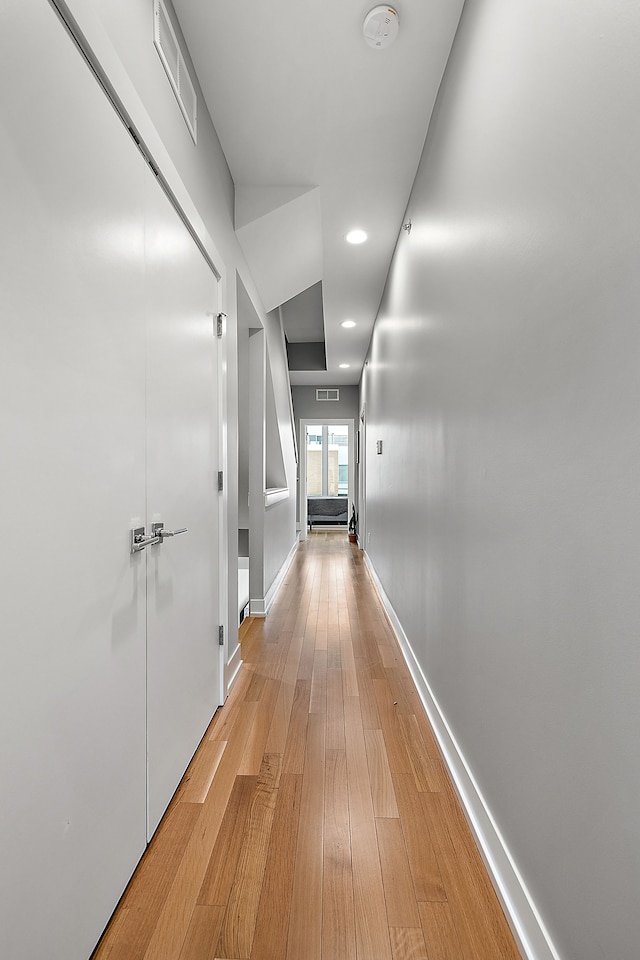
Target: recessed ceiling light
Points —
{"points": [[356, 236], [348, 323], [344, 366]]}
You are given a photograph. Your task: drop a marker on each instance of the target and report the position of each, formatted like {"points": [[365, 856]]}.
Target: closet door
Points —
{"points": [[183, 654], [72, 475], [108, 660]]}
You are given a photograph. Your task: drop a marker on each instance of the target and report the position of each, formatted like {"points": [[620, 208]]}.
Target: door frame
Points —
{"points": [[330, 422], [362, 479], [222, 383]]}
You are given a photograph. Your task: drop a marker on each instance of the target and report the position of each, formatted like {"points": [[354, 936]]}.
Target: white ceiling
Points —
{"points": [[322, 133]]}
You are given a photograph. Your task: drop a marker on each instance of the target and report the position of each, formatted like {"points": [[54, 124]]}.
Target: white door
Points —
{"points": [[107, 407], [72, 479], [183, 654]]}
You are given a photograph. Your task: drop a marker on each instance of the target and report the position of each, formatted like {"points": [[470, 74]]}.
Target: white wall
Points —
{"points": [[280, 518], [306, 407], [120, 33], [272, 529], [203, 168], [247, 318], [503, 380]]}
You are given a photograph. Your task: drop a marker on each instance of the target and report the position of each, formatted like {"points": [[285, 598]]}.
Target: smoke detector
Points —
{"points": [[381, 27]]}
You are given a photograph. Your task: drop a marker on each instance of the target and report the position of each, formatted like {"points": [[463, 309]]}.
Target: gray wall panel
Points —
{"points": [[504, 511]]}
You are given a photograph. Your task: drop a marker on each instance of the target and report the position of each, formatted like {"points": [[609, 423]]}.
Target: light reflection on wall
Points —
{"points": [[449, 235], [130, 240]]}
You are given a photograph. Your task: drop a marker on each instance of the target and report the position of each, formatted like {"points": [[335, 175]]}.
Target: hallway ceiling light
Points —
{"points": [[356, 236], [348, 323], [345, 366], [380, 27]]}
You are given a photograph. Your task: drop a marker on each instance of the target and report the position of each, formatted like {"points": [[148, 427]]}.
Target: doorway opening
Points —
{"points": [[327, 474]]}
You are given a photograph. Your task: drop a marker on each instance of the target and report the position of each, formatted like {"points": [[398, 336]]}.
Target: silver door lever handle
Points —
{"points": [[158, 530], [139, 541]]}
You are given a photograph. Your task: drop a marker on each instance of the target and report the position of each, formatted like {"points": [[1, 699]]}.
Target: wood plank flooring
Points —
{"points": [[316, 820]]}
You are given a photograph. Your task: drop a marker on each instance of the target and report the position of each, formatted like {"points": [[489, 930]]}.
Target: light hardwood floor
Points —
{"points": [[316, 820]]}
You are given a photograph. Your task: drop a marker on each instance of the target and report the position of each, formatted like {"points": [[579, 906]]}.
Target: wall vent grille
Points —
{"points": [[174, 63], [331, 394]]}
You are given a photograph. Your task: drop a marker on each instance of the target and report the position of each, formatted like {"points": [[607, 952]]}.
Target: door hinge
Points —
{"points": [[219, 322], [220, 481], [221, 635]]}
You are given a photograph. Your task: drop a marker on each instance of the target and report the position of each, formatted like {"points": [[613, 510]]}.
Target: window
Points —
{"points": [[327, 460]]}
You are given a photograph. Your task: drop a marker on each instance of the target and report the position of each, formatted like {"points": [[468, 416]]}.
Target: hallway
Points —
{"points": [[316, 821]]}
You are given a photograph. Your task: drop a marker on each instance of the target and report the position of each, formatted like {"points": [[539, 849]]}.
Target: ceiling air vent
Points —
{"points": [[332, 394], [174, 63]]}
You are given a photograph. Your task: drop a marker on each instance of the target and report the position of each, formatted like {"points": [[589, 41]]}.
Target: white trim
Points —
{"points": [[330, 528], [275, 495], [362, 477], [520, 910], [261, 606], [222, 386], [257, 608]]}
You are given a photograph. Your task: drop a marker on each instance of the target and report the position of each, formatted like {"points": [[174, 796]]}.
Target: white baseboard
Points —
{"points": [[232, 668], [522, 915], [260, 607], [330, 528]]}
